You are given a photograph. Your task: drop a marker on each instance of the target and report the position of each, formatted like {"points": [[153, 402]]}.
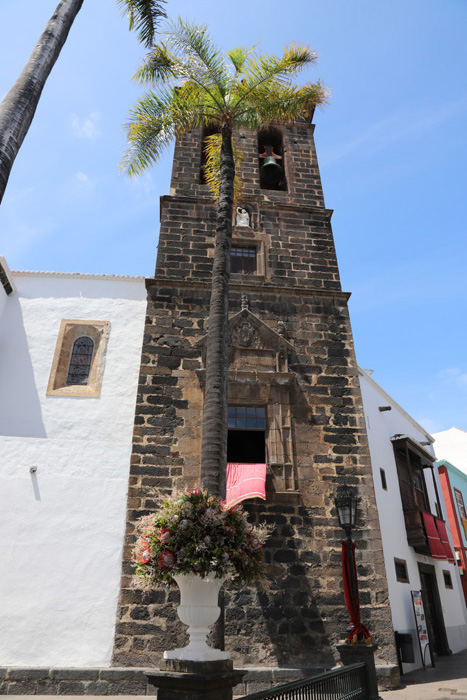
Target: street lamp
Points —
{"points": [[346, 507]]}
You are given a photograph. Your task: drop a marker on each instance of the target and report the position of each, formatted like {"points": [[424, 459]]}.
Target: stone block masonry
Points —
{"points": [[316, 433]]}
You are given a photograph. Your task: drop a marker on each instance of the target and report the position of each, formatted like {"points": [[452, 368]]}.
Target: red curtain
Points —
{"points": [[443, 536], [436, 546], [352, 606]]}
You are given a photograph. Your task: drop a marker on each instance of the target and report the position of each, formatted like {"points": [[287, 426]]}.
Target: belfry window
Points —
{"points": [[80, 361], [243, 260], [246, 434], [271, 160]]}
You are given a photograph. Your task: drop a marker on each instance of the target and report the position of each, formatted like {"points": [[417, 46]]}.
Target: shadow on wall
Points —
{"points": [[20, 409], [281, 625]]}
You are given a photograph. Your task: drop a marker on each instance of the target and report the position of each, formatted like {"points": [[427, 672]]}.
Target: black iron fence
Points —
{"points": [[346, 683]]}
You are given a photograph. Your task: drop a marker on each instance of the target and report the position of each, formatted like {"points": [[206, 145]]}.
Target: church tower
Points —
{"points": [[294, 403]]}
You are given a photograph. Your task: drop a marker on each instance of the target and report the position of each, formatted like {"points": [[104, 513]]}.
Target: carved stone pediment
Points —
{"points": [[254, 347]]}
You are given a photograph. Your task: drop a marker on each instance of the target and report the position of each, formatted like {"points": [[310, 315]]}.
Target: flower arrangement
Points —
{"points": [[196, 533]]}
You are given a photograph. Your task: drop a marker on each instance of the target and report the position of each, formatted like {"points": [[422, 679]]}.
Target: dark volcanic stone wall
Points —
{"points": [[296, 618]]}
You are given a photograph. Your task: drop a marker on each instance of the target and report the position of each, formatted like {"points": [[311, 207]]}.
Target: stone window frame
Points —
{"points": [[259, 241], [70, 330]]}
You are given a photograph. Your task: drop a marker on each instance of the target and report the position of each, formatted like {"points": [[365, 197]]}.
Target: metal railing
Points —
{"points": [[346, 683]]}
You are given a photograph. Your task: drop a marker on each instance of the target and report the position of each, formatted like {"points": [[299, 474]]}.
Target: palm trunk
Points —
{"points": [[18, 108], [214, 437]]}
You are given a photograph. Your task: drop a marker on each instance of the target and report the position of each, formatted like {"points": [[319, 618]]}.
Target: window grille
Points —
{"points": [[247, 417], [243, 260], [80, 361]]}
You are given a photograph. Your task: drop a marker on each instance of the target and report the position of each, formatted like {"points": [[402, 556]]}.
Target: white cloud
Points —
{"points": [[81, 177], [86, 128], [454, 374], [404, 123]]}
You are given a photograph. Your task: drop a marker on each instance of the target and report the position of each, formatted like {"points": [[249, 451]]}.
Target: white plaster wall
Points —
{"points": [[381, 427], [61, 530], [452, 445], [3, 300]]}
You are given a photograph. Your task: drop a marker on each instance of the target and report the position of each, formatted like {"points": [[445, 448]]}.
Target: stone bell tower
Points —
{"points": [[294, 401]]}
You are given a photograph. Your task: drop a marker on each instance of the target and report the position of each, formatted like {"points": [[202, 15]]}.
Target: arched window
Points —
{"points": [[80, 361], [271, 160]]}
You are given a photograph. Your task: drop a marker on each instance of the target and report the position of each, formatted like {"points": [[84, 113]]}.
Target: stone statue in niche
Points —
{"points": [[243, 217], [245, 336]]}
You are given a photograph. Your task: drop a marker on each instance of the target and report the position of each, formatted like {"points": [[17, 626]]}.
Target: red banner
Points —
{"points": [[353, 606]]}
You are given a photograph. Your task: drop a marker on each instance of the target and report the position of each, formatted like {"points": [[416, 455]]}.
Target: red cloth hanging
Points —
{"points": [[436, 546], [352, 606], [443, 536], [245, 481]]}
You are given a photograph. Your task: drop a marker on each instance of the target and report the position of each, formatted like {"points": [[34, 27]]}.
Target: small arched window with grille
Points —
{"points": [[80, 361]]}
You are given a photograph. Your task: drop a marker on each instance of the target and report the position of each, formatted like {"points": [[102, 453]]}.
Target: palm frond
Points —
{"points": [[267, 71], [212, 148], [153, 123], [239, 55], [193, 45], [143, 16], [158, 66], [281, 104]]}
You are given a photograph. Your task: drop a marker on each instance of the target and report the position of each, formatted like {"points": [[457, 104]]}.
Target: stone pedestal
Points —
{"points": [[195, 680], [356, 653]]}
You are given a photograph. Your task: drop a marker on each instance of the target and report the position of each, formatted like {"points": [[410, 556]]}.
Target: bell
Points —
{"points": [[270, 172]]}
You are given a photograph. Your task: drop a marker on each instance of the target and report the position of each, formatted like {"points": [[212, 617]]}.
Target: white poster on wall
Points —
{"points": [[422, 630]]}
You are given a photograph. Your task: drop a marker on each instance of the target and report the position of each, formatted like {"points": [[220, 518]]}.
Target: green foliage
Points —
{"points": [[143, 16], [193, 85], [196, 533], [212, 148]]}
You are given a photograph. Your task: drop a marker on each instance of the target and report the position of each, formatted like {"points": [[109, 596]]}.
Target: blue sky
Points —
{"points": [[392, 148]]}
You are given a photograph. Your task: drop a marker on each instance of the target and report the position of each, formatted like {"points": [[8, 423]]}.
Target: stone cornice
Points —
{"points": [[245, 287], [318, 212]]}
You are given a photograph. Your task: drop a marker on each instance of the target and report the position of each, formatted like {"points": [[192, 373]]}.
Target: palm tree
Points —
{"points": [[19, 106], [195, 86]]}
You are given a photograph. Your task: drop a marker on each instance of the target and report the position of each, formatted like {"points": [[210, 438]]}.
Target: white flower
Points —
{"points": [[207, 540]]}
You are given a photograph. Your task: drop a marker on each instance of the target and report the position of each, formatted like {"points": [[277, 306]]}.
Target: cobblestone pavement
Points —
{"points": [[447, 681]]}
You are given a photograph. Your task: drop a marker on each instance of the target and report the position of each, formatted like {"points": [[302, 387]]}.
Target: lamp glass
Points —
{"points": [[346, 506]]}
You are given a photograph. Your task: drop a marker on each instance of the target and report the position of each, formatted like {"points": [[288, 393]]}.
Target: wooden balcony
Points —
{"points": [[416, 536]]}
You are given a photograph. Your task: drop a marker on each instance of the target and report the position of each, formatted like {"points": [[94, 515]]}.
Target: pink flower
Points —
{"points": [[165, 536], [166, 560], [144, 557]]}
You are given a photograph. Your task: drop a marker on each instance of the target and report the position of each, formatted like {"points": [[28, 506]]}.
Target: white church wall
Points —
{"points": [[62, 526], [381, 426]]}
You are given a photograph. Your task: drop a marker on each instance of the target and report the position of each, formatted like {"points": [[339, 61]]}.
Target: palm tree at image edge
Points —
{"points": [[19, 105], [193, 85]]}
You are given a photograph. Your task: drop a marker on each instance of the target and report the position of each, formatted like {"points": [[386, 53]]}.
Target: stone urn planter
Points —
{"points": [[198, 609], [195, 541]]}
